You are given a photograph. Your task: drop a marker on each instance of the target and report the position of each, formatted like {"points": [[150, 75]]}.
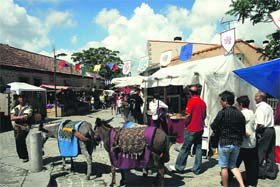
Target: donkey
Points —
{"points": [[85, 135], [159, 150]]}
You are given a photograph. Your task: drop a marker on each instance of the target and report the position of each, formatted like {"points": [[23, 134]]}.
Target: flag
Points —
{"points": [[71, 68], [62, 63], [77, 67], [228, 39], [143, 64], [186, 52], [110, 65], [83, 71], [276, 18], [165, 58], [126, 67], [114, 68], [97, 68]]}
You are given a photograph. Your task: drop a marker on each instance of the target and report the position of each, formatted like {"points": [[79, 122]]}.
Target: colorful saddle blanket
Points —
{"points": [[68, 144], [129, 148]]}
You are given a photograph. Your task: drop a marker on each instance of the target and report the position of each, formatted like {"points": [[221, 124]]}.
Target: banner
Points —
{"points": [[114, 68], [96, 68], [228, 39], [165, 58], [77, 67], [186, 52], [276, 18], [62, 63], [126, 67], [143, 64]]}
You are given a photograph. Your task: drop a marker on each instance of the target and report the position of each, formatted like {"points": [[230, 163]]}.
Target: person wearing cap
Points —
{"points": [[20, 116], [196, 113]]}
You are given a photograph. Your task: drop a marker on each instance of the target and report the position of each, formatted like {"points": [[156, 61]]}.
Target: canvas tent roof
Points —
{"points": [[265, 76], [19, 87], [127, 81], [215, 74]]}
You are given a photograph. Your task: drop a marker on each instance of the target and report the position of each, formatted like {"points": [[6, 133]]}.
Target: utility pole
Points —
{"points": [[54, 77], [227, 22]]}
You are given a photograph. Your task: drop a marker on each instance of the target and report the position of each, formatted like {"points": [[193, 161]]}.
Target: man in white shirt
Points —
{"points": [[156, 106], [266, 137], [248, 152]]}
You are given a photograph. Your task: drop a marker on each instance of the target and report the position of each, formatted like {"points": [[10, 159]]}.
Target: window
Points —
{"points": [[37, 82]]}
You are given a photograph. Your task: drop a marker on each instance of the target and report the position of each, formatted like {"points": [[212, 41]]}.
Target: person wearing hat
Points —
{"points": [[20, 116], [196, 113]]}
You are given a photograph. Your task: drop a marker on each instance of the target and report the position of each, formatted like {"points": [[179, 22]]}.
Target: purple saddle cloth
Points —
{"points": [[123, 160]]}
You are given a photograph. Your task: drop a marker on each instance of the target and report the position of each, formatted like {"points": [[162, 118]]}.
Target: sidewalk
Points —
{"points": [[13, 171]]}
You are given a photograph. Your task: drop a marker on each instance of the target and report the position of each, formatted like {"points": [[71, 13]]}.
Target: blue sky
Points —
{"points": [[123, 25]]}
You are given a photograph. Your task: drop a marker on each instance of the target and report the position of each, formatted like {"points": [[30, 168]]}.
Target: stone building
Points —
{"points": [[17, 65]]}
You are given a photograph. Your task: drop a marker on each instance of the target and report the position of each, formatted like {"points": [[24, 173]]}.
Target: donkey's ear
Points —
{"points": [[98, 121], [109, 120]]}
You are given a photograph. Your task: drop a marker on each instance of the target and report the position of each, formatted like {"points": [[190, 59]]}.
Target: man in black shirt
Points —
{"points": [[135, 102], [230, 123]]}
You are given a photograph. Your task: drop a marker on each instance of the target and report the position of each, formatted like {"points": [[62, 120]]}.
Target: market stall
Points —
{"points": [[35, 96], [215, 74]]}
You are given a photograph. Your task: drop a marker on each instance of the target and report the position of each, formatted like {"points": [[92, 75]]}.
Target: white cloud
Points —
{"points": [[19, 29], [74, 39], [58, 18]]}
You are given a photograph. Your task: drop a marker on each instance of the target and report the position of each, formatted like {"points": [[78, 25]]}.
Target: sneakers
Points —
{"points": [[25, 160], [172, 167]]}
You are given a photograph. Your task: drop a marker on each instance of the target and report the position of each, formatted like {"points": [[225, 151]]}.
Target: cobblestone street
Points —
{"points": [[15, 173]]}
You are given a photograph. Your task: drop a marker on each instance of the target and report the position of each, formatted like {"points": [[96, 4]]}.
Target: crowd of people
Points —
{"points": [[242, 134]]}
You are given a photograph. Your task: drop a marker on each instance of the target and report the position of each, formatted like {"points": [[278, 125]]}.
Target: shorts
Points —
{"points": [[228, 155]]}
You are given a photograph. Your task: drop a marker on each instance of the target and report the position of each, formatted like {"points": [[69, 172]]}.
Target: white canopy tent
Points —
{"points": [[127, 81], [19, 87], [215, 74]]}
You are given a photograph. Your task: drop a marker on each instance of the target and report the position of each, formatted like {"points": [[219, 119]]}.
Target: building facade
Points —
{"points": [[17, 65]]}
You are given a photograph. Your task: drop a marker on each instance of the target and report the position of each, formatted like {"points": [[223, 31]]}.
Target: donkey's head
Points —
{"points": [[101, 129]]}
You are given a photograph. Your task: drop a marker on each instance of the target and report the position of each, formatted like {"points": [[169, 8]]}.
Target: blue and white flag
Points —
{"points": [[186, 52]]}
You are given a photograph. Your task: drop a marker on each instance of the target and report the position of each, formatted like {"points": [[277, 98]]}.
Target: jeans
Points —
{"points": [[190, 138], [228, 155]]}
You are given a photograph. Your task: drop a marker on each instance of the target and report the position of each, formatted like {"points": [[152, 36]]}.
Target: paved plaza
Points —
{"points": [[15, 173]]}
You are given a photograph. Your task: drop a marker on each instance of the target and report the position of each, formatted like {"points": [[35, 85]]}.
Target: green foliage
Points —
{"points": [[95, 56], [258, 11]]}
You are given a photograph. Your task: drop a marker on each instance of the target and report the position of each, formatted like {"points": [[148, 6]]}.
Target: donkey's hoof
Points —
{"points": [[87, 177]]}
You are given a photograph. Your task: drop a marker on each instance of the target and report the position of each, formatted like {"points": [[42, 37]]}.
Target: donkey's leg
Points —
{"points": [[113, 171], [123, 178], [88, 157], [71, 164], [63, 163], [159, 165]]}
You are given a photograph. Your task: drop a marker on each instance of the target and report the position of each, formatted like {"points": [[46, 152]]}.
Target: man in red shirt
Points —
{"points": [[196, 113]]}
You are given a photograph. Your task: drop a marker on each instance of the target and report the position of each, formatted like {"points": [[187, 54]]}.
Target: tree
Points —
{"points": [[259, 11], [102, 56]]}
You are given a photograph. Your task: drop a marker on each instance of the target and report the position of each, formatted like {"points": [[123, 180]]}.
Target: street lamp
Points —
{"points": [[54, 77]]}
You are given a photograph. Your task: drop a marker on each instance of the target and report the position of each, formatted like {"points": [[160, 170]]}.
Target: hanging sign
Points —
{"points": [[126, 67], [228, 39], [276, 17]]}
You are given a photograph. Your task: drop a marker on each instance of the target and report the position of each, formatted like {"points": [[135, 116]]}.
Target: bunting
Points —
{"points": [[228, 39], [165, 58], [126, 67], [83, 71], [62, 63], [97, 68], [71, 68], [276, 18], [77, 67], [186, 52], [143, 64], [114, 68]]}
